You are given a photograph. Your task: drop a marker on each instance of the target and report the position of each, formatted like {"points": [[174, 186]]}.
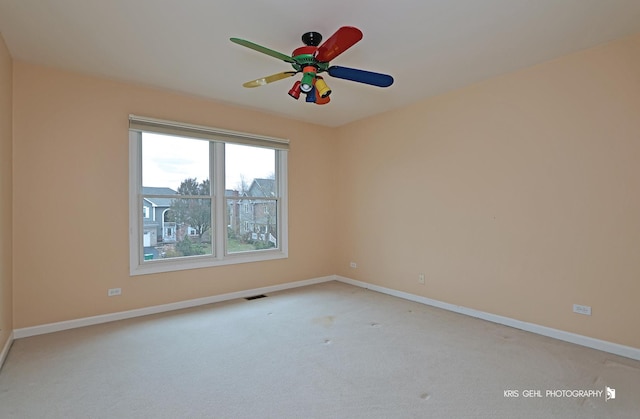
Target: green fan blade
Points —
{"points": [[263, 50], [269, 79]]}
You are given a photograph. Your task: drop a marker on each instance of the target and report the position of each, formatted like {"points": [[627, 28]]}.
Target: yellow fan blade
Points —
{"points": [[269, 79]]}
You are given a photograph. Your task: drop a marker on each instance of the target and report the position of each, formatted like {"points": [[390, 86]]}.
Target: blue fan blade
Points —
{"points": [[361, 76]]}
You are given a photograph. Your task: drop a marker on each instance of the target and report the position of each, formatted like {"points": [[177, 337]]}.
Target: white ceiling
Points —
{"points": [[429, 46]]}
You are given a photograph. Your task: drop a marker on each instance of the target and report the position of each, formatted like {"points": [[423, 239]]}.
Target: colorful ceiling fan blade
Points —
{"points": [[361, 76], [264, 50], [269, 79], [343, 39]]}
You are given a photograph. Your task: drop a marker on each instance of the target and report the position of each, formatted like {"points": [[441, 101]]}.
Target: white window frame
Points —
{"points": [[218, 137]]}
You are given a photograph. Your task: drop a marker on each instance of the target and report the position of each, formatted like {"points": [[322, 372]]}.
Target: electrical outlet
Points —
{"points": [[353, 265], [421, 279], [580, 309], [114, 291]]}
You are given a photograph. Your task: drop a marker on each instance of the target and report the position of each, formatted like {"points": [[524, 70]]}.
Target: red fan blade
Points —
{"points": [[343, 39]]}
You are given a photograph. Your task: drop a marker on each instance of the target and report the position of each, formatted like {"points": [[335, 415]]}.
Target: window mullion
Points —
{"points": [[135, 191], [218, 190], [282, 202]]}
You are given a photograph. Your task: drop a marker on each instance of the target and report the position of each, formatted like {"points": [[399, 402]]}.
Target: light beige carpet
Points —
{"points": [[324, 351]]}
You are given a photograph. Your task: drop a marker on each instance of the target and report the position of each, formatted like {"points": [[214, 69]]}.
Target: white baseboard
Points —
{"points": [[5, 349], [105, 318], [614, 348]]}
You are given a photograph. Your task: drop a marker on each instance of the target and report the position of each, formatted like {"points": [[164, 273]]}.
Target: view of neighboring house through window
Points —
{"points": [[252, 188], [204, 202], [176, 191]]}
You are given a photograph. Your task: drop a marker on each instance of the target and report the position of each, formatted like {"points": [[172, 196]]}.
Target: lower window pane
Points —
{"points": [[252, 224], [183, 230]]}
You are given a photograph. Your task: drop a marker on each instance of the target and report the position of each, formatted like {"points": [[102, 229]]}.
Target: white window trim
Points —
{"points": [[137, 264]]}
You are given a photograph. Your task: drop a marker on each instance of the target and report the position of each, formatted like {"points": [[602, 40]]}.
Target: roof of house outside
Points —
{"points": [[262, 188], [152, 190], [155, 200]]}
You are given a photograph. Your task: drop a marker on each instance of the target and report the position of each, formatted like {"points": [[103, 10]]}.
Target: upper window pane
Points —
{"points": [[168, 161], [246, 164]]}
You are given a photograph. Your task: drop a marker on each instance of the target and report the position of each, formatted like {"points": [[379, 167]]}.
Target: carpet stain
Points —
{"points": [[326, 321], [586, 401], [425, 396]]}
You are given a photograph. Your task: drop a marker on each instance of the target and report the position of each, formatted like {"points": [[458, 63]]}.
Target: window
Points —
{"points": [[223, 196]]}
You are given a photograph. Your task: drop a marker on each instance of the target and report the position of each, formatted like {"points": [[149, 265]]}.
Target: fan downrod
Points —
{"points": [[312, 39]]}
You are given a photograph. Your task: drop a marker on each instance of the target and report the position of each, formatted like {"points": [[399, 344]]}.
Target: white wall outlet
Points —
{"points": [[353, 265], [114, 291], [421, 279], [580, 309]]}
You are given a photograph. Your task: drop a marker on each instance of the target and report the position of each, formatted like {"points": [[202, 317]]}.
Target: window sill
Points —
{"points": [[198, 262]]}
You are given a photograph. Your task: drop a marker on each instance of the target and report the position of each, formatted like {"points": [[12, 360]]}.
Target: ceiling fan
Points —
{"points": [[313, 59]]}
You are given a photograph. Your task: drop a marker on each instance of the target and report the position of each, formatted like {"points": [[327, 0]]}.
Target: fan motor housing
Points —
{"points": [[305, 56]]}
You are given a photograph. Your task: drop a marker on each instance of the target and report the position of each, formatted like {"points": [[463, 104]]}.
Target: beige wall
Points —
{"points": [[6, 249], [71, 198], [517, 196]]}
